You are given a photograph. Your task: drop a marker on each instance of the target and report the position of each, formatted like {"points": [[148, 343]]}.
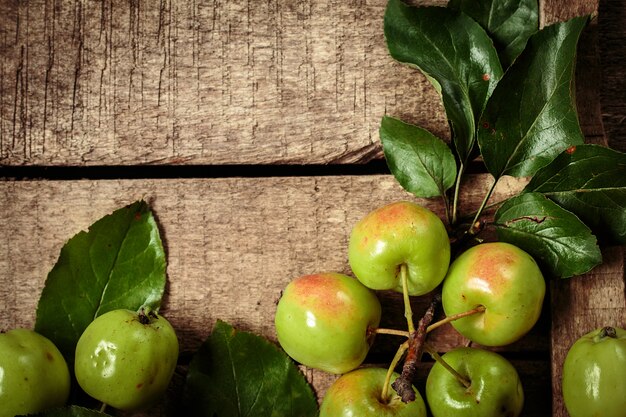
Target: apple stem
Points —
{"points": [[432, 352], [144, 316], [103, 407], [607, 331], [392, 332], [408, 313], [454, 317], [384, 396]]}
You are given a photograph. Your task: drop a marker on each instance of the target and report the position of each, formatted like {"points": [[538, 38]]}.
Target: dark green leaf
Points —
{"points": [[237, 374], [421, 162], [590, 181], [455, 53], [118, 263], [72, 411], [531, 116], [509, 23], [555, 237]]}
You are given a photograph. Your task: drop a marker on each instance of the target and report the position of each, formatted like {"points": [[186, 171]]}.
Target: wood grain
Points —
{"points": [[222, 82], [612, 44], [124, 82]]}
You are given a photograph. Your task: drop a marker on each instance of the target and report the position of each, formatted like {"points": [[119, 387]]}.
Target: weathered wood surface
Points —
{"points": [[113, 82], [290, 82], [612, 43], [119, 82], [232, 244], [292, 226]]}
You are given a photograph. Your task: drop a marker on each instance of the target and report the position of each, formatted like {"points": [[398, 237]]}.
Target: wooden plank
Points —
{"points": [[612, 44], [175, 82], [226, 239], [231, 82], [232, 246], [552, 11]]}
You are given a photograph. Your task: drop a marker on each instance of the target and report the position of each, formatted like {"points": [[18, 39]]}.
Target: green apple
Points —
{"points": [[326, 321], [494, 386], [594, 374], [506, 281], [359, 393], [33, 374], [126, 359], [401, 233]]}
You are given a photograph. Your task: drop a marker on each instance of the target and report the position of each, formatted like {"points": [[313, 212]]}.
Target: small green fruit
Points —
{"points": [[594, 374], [401, 233], [326, 321], [495, 389], [359, 394], [33, 374], [506, 281], [126, 359]]}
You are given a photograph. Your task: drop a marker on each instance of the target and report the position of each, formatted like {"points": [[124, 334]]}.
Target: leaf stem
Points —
{"points": [[472, 230], [457, 187], [432, 352], [408, 313], [103, 407], [446, 203], [453, 317], [384, 396]]}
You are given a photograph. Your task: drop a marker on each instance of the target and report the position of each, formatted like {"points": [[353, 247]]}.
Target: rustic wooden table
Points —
{"points": [[251, 128]]}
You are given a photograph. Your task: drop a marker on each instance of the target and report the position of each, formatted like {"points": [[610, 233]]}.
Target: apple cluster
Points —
{"points": [[124, 359], [492, 294]]}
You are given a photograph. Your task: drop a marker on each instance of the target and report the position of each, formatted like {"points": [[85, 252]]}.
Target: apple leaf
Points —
{"points": [[509, 23], [237, 374], [421, 162], [555, 237], [454, 53], [531, 116], [71, 411], [590, 181], [118, 263]]}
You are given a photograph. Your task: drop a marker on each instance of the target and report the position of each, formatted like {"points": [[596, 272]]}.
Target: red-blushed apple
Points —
{"points": [[359, 394], [401, 233], [506, 281], [494, 387], [327, 321]]}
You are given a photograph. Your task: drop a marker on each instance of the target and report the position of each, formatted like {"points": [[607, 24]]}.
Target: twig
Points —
{"points": [[403, 385]]}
